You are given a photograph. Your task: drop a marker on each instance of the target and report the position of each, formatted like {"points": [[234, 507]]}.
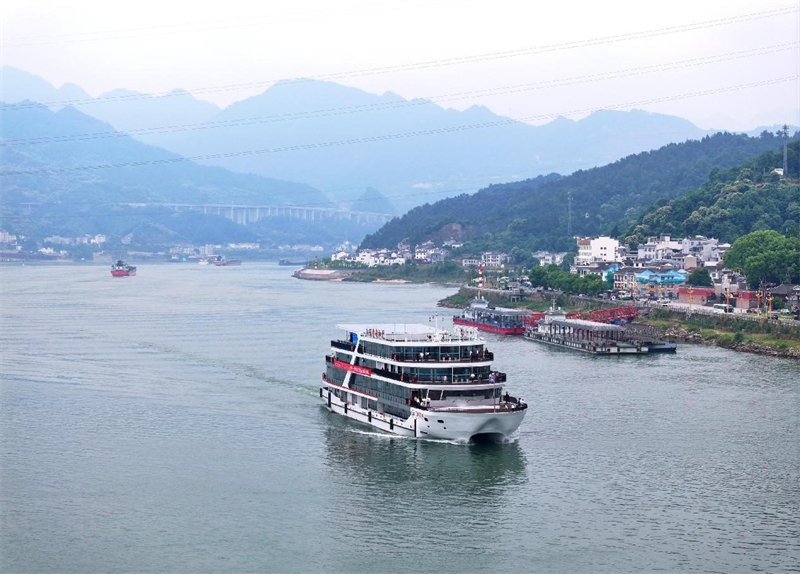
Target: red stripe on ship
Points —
{"points": [[366, 371], [489, 328]]}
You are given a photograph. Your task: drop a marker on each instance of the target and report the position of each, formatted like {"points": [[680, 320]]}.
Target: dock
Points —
{"points": [[597, 338]]}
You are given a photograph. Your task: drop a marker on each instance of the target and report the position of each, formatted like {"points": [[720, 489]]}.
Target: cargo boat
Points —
{"points": [[221, 261], [492, 319], [419, 381], [291, 263], [122, 269]]}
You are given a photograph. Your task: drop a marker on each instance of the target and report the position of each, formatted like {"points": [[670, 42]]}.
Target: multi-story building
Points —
{"points": [[493, 259], [597, 249], [659, 248], [6, 237], [599, 268], [549, 258]]}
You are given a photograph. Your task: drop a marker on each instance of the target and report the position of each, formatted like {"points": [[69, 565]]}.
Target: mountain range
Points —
{"points": [[85, 187], [342, 139]]}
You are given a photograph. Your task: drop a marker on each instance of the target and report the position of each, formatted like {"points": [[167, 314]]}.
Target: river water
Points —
{"points": [[170, 422]]}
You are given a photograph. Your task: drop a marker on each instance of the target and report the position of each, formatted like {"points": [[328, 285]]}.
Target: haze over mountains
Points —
{"points": [[342, 139], [302, 136], [48, 191]]}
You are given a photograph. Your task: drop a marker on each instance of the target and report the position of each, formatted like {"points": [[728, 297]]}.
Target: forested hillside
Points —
{"points": [[732, 203], [534, 214]]}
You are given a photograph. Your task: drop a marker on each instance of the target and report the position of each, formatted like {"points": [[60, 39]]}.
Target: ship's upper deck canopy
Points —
{"points": [[585, 325], [411, 332], [504, 311]]}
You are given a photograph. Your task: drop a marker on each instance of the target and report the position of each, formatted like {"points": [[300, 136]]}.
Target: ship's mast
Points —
{"points": [[480, 279]]}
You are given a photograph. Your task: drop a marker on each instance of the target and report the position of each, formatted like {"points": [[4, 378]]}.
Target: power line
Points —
{"points": [[430, 100], [389, 137], [435, 63]]}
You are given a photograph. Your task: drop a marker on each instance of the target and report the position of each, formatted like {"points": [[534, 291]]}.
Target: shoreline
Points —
{"points": [[712, 331]]}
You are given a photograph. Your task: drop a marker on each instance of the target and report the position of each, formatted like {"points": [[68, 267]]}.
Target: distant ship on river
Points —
{"points": [[122, 269]]}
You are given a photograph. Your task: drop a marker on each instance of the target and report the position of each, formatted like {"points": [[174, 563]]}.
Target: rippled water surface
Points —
{"points": [[170, 422]]}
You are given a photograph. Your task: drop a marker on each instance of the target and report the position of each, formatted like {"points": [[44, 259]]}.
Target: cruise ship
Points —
{"points": [[419, 381]]}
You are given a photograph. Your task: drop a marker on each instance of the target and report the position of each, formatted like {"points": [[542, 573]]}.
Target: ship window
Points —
{"points": [[440, 421]]}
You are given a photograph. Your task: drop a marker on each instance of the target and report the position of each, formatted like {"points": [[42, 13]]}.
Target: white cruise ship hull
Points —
{"points": [[456, 425]]}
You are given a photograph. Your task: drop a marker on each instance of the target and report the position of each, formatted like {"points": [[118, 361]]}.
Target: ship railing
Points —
{"points": [[442, 380], [480, 357]]}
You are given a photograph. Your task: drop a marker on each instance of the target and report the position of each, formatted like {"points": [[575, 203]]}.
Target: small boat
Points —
{"points": [[222, 261], [122, 269], [291, 263], [421, 382]]}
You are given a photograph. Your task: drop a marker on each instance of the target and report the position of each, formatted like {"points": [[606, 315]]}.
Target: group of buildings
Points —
{"points": [[426, 252], [660, 268]]}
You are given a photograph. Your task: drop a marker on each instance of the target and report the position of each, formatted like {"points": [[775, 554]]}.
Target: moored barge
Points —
{"points": [[499, 320], [596, 338]]}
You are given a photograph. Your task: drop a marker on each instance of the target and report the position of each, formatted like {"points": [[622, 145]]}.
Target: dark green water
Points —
{"points": [[169, 422]]}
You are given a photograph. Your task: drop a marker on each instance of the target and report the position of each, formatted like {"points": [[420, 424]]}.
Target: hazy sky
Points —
{"points": [[195, 45]]}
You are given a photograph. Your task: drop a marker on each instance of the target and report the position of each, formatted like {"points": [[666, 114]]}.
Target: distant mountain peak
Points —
{"points": [[373, 201]]}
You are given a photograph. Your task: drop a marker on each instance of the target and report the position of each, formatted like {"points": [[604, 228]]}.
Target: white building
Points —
{"points": [[492, 259], [6, 237], [244, 246], [602, 248], [549, 258], [659, 248], [58, 240], [376, 257]]}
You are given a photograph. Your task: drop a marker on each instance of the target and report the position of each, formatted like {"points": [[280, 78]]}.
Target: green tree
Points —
{"points": [[766, 257], [700, 277]]}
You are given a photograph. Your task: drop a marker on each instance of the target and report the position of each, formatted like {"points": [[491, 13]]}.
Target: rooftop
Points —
{"points": [[398, 332], [586, 325]]}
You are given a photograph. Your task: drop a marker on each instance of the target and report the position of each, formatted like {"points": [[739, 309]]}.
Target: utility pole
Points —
{"points": [[785, 133]]}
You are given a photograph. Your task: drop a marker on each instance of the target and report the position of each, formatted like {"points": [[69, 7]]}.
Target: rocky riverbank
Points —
{"points": [[733, 341]]}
